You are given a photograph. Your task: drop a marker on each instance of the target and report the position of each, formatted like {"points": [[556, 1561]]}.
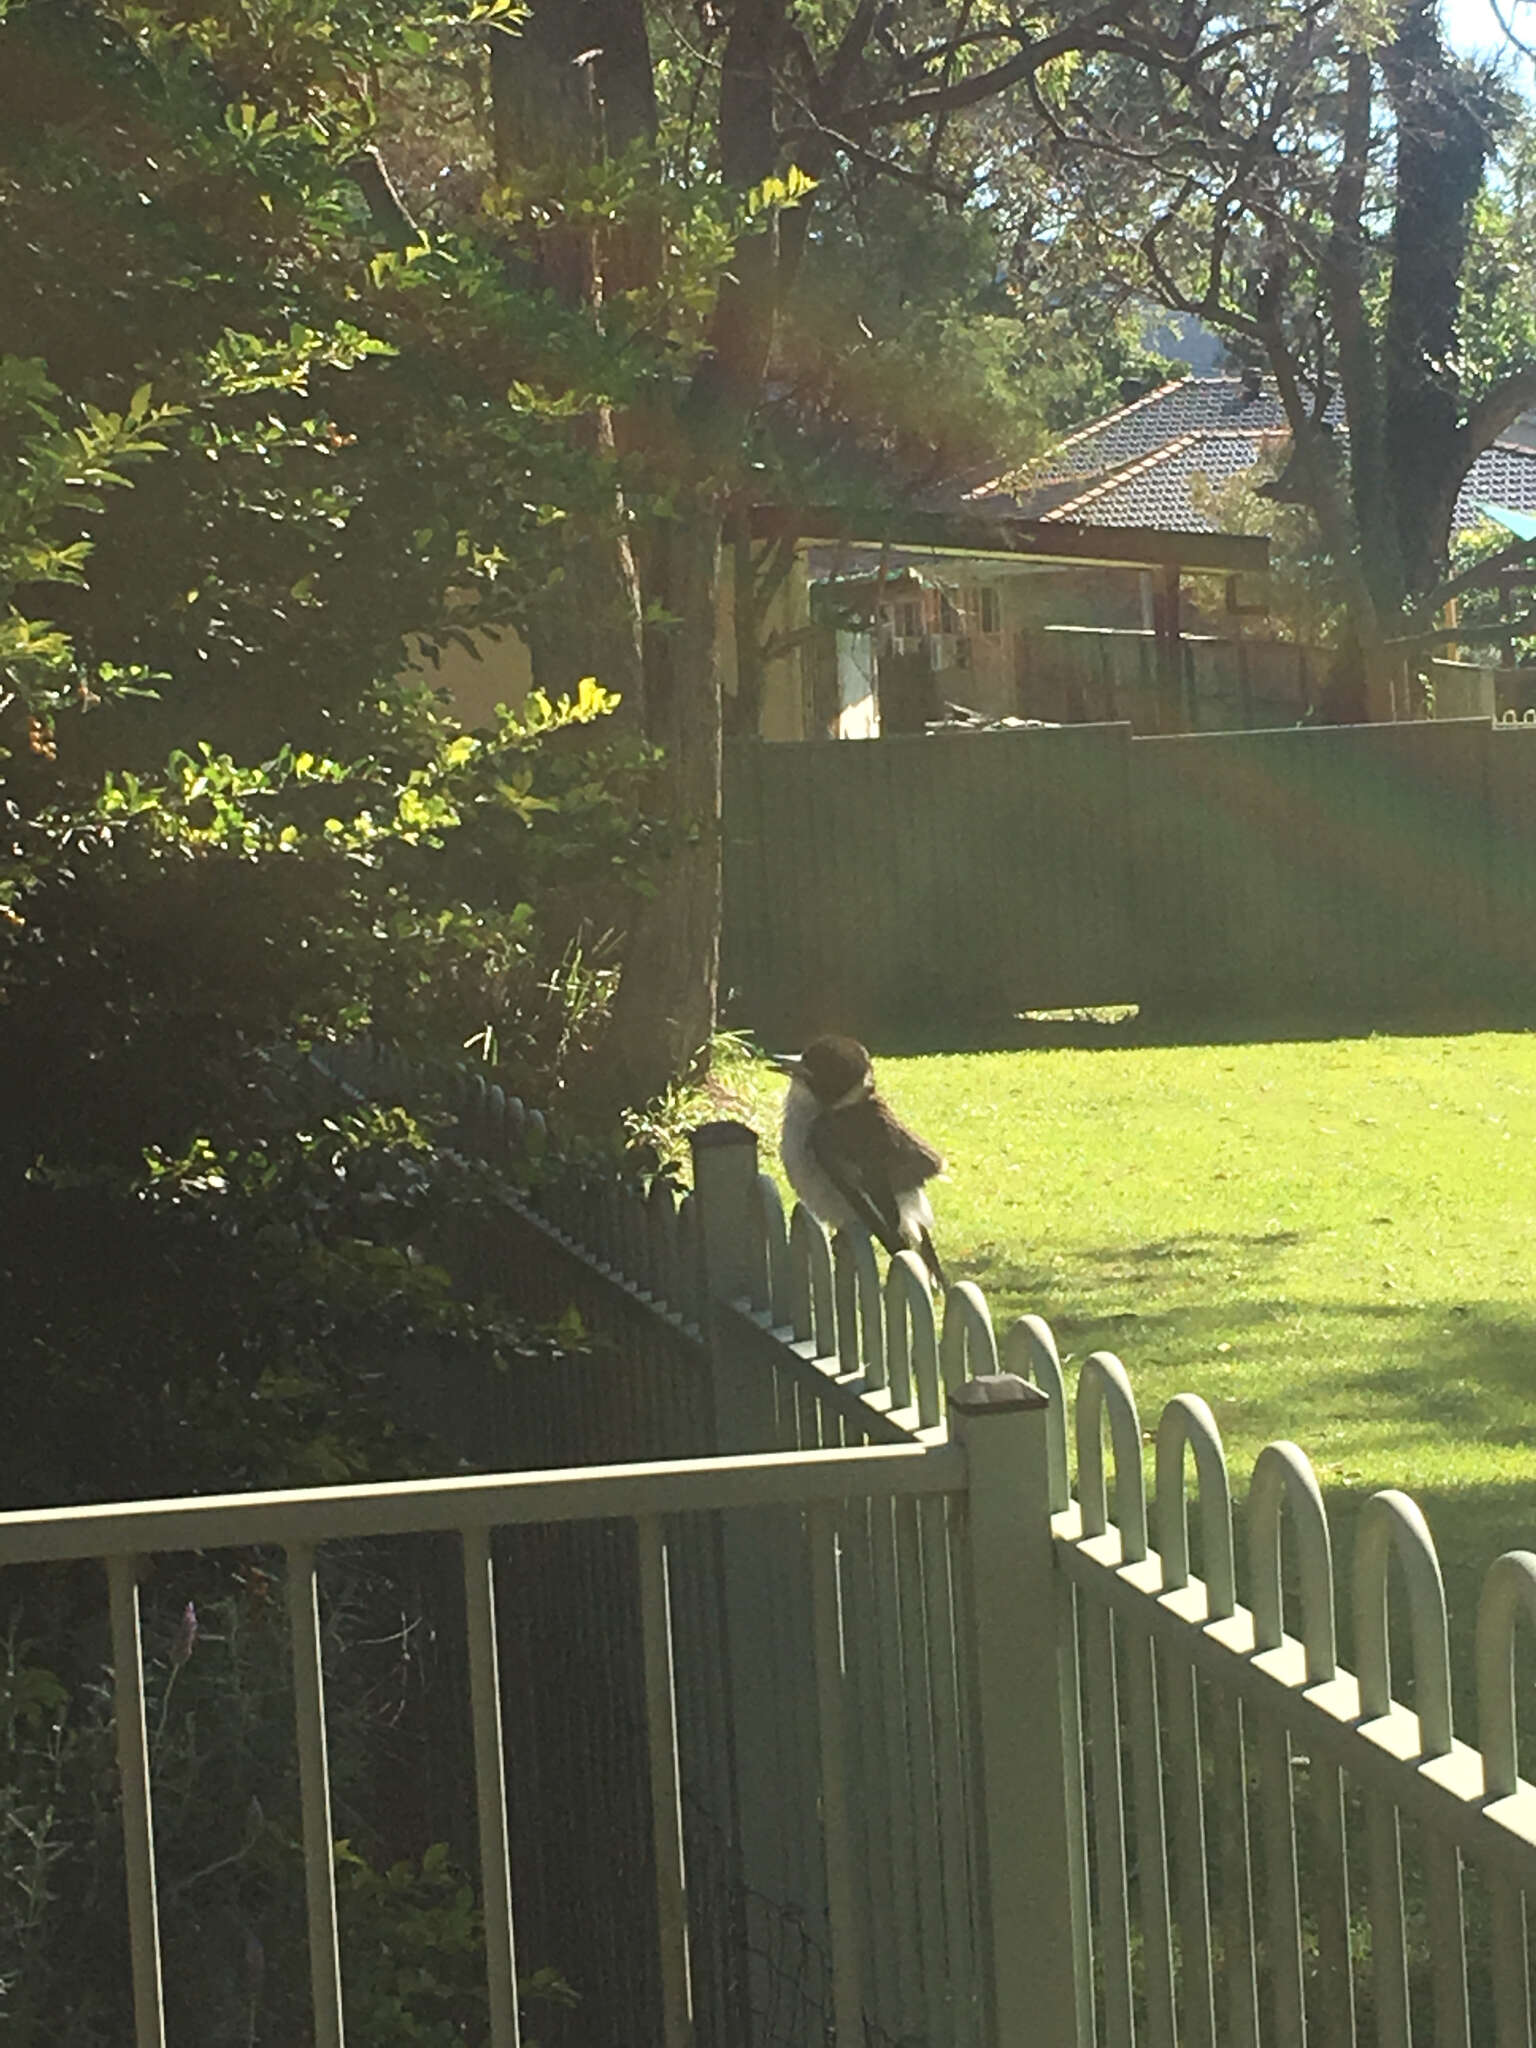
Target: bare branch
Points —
{"points": [[1504, 23], [1498, 408], [923, 101], [889, 167]]}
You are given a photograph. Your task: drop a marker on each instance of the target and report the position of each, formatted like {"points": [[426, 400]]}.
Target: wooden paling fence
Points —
{"points": [[947, 883]]}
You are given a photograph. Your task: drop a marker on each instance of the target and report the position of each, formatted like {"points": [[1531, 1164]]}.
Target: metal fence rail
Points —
{"points": [[823, 1485]]}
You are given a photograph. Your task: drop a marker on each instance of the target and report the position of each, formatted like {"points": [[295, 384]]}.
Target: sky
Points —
{"points": [[1472, 27]]}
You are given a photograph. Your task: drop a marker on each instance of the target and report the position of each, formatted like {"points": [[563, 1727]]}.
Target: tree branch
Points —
{"points": [[838, 76], [1517, 555], [388, 210], [1442, 636], [1498, 408], [923, 101]]}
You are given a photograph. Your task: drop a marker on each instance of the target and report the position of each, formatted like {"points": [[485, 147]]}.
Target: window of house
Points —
{"points": [[949, 618], [989, 617], [907, 619]]}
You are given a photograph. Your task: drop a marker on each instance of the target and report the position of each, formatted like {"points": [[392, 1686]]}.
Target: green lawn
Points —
{"points": [[1331, 1241]]}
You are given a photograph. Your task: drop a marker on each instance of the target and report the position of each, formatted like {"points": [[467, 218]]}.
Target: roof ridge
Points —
{"points": [[1119, 412]]}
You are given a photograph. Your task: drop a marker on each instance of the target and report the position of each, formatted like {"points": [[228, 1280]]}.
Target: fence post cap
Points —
{"points": [[726, 1131], [996, 1393]]}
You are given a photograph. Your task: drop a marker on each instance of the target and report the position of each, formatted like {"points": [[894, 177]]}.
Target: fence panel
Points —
{"points": [[884, 885], [1318, 870], [895, 885], [1294, 1776], [641, 1497], [1512, 859], [1278, 1848]]}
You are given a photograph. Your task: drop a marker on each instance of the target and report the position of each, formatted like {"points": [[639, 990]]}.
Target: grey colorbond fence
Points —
{"points": [[912, 878], [906, 885]]}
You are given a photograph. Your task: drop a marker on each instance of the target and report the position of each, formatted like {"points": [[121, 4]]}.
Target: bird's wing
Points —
{"points": [[916, 1161], [871, 1157]]}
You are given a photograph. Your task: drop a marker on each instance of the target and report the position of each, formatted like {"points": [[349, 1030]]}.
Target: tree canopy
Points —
{"points": [[1341, 197]]}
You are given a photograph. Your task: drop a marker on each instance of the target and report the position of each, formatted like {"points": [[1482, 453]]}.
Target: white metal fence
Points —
{"points": [[822, 1487], [1023, 1776], [1258, 1846]]}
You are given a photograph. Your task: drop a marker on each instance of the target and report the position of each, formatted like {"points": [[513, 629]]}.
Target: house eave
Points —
{"points": [[1040, 540]]}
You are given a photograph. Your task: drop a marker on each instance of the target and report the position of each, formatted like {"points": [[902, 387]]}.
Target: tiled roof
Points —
{"points": [[1157, 489], [1504, 474], [1135, 467], [1193, 405]]}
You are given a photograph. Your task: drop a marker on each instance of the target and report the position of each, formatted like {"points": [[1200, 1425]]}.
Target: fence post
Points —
{"points": [[1032, 1948], [767, 1600]]}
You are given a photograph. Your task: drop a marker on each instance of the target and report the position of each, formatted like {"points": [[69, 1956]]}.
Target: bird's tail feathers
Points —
{"points": [[931, 1258]]}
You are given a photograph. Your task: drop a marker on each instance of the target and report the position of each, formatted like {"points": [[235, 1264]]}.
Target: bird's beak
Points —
{"points": [[787, 1063]]}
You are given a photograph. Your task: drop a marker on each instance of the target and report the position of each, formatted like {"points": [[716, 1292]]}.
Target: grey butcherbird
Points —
{"points": [[847, 1157]]}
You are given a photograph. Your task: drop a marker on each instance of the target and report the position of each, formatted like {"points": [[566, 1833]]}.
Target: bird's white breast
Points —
{"points": [[807, 1176]]}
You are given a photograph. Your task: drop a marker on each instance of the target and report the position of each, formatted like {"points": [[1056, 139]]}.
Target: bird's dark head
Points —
{"points": [[836, 1070]]}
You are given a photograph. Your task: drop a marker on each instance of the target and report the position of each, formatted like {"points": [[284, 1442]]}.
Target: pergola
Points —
{"points": [[1055, 542]]}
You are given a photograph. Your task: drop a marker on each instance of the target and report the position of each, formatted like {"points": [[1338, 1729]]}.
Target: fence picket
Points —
{"points": [[1029, 1350], [490, 1787], [812, 1295], [860, 1318], [666, 1799], [1151, 1842], [1103, 1390], [864, 1754], [968, 1348], [1238, 2021], [901, 1946], [928, 1874], [138, 1824], [772, 1289], [944, 1691], [315, 1795], [842, 1883], [1448, 1943]]}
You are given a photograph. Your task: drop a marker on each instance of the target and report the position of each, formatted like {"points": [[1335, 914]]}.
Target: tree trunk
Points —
{"points": [[548, 123], [1443, 141], [664, 1014]]}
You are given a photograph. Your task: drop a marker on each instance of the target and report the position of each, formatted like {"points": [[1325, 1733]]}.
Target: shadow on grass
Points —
{"points": [[1000, 1271], [1149, 1027], [1474, 1385]]}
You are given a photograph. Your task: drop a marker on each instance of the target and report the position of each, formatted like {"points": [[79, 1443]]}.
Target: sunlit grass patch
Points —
{"points": [[1331, 1241]]}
